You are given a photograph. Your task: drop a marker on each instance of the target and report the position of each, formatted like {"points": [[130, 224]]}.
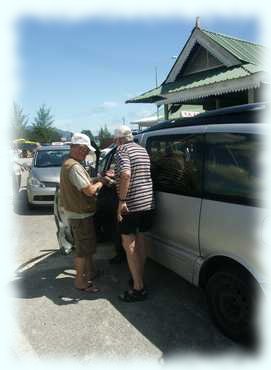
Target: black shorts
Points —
{"points": [[136, 222]]}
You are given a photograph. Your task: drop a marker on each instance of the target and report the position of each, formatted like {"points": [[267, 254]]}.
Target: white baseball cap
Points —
{"points": [[82, 139]]}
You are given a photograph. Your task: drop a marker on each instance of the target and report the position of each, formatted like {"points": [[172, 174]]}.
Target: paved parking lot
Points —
{"points": [[54, 319]]}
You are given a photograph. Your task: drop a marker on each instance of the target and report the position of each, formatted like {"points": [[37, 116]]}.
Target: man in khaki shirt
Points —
{"points": [[78, 195]]}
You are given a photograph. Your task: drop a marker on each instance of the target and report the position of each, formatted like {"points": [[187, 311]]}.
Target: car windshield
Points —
{"points": [[51, 158]]}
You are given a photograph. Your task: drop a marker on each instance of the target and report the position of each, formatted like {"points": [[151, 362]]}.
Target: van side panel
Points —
{"points": [[175, 232], [231, 216], [176, 166], [231, 230]]}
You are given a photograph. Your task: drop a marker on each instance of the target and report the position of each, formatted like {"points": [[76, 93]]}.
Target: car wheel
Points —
{"points": [[232, 299]]}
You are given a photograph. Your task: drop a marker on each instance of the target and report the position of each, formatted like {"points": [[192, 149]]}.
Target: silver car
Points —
{"points": [[44, 174]]}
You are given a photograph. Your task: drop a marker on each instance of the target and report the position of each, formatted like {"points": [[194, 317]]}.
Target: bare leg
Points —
{"points": [[134, 260], [140, 246], [89, 268], [80, 280]]}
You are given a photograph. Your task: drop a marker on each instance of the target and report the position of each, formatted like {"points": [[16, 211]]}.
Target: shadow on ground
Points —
{"points": [[174, 318]]}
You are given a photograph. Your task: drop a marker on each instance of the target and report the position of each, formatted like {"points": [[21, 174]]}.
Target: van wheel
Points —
{"points": [[232, 299]]}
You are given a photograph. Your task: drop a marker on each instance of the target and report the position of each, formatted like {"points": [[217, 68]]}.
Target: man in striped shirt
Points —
{"points": [[135, 208]]}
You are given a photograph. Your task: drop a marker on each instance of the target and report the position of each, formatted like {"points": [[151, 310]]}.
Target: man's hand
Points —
{"points": [[92, 188], [110, 173], [105, 180], [109, 181], [122, 210], [94, 180]]}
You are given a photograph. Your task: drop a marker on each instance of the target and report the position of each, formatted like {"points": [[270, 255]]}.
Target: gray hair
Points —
{"points": [[123, 132]]}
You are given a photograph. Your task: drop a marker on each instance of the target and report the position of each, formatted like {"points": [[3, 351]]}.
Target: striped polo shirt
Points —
{"points": [[134, 158]]}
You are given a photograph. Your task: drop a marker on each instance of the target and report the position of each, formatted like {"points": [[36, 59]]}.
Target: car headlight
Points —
{"points": [[34, 181]]}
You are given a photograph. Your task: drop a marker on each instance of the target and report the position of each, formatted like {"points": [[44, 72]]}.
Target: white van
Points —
{"points": [[207, 181], [209, 207]]}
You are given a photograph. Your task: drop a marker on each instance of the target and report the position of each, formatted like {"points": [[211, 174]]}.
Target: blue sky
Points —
{"points": [[84, 71]]}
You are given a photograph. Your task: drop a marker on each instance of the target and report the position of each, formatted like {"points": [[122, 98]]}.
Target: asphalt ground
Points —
{"points": [[55, 320]]}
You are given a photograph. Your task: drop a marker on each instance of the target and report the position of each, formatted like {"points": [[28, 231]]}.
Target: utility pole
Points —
{"points": [[156, 85]]}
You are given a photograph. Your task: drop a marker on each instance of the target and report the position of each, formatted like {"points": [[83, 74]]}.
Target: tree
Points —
{"points": [[105, 137], [19, 122], [42, 129]]}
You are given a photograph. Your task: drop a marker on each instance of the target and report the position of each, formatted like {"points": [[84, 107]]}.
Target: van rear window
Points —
{"points": [[232, 170]]}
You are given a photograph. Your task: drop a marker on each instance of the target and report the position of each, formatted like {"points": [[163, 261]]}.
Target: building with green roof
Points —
{"points": [[212, 71]]}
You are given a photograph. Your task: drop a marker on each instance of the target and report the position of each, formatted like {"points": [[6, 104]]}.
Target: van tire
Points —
{"points": [[232, 299]]}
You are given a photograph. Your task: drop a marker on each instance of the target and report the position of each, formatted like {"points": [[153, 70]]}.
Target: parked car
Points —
{"points": [[209, 208], [44, 174]]}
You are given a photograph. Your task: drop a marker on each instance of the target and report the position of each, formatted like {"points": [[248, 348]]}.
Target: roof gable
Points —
{"points": [[226, 50], [199, 60], [210, 63]]}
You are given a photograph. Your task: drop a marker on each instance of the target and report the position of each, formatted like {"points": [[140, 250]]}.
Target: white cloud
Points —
{"points": [[110, 104], [103, 107]]}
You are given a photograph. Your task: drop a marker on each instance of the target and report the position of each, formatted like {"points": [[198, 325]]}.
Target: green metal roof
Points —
{"points": [[206, 78], [195, 80], [250, 55], [243, 50], [150, 96]]}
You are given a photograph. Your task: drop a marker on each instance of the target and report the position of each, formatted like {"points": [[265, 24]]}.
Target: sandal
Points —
{"points": [[133, 295], [131, 283], [90, 289]]}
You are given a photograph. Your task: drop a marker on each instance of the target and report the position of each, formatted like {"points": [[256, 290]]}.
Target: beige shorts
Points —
{"points": [[84, 236]]}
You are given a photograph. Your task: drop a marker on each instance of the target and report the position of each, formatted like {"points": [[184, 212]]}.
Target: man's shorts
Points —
{"points": [[83, 232], [136, 222]]}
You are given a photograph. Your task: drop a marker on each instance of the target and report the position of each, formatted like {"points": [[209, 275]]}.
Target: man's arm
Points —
{"points": [[79, 179], [124, 183], [124, 170], [92, 189]]}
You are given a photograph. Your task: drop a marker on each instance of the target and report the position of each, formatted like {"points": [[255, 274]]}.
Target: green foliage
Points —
{"points": [[42, 129], [105, 137], [19, 122]]}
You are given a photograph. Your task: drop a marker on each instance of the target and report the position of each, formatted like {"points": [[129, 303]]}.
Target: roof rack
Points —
{"points": [[246, 113]]}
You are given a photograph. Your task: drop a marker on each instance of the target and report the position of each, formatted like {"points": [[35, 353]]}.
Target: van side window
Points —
{"points": [[231, 168], [176, 163]]}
